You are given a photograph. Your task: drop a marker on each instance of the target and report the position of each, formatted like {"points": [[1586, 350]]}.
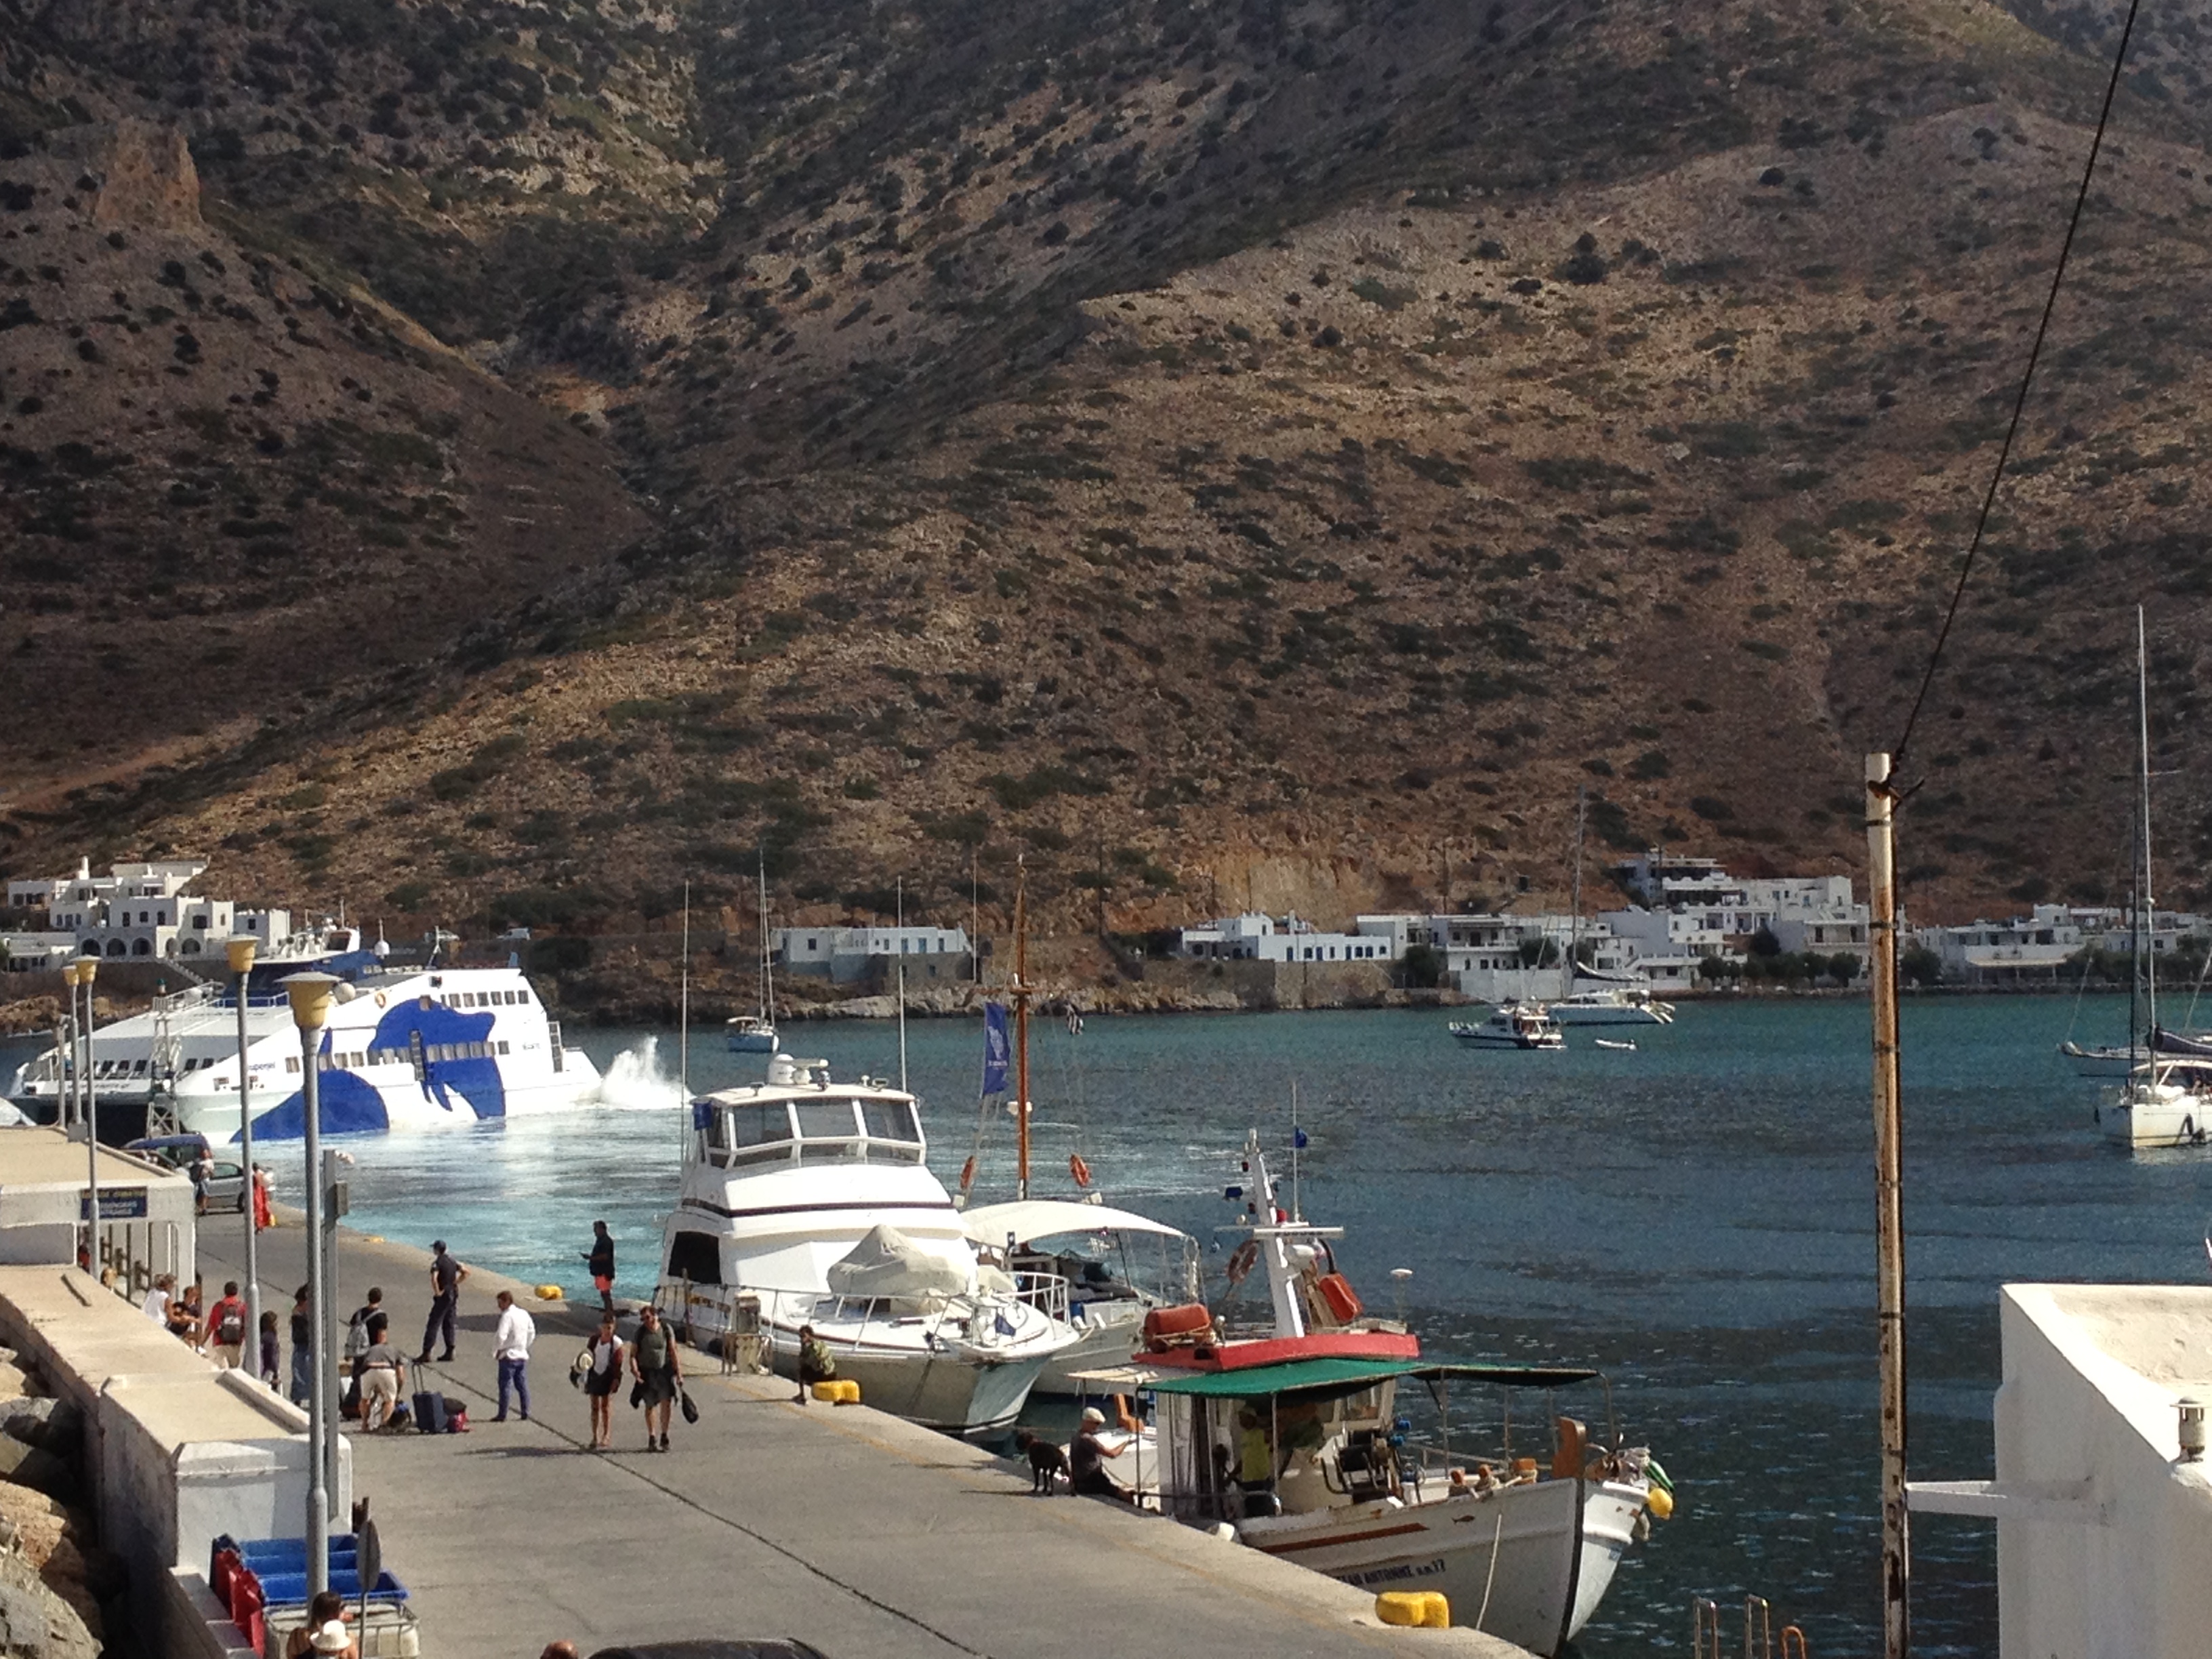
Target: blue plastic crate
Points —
{"points": [[289, 1589]]}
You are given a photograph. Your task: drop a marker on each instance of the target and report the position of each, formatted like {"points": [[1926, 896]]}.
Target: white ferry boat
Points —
{"points": [[808, 1203], [404, 1048]]}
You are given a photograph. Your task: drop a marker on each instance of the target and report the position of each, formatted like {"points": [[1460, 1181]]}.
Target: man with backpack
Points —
{"points": [[357, 1342], [225, 1327]]}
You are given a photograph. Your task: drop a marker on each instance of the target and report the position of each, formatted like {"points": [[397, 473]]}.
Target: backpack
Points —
{"points": [[230, 1329]]}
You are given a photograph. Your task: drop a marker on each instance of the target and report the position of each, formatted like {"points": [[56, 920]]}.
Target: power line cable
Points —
{"points": [[2019, 403]]}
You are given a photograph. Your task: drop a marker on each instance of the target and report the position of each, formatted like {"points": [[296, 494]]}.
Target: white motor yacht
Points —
{"points": [[1611, 1005], [808, 1202], [2166, 1102], [1118, 1266], [1511, 1025]]}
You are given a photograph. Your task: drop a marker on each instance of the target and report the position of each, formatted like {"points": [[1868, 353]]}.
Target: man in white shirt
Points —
{"points": [[156, 1307], [510, 1344]]}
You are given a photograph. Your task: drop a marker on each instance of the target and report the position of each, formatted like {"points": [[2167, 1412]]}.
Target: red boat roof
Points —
{"points": [[1277, 1350]]}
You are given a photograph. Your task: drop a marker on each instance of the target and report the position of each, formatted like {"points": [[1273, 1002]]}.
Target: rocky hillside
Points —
{"points": [[509, 460]]}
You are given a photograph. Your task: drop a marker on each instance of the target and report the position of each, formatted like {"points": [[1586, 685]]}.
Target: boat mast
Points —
{"points": [[766, 971], [902, 982], [1020, 994], [2147, 906], [1575, 923], [684, 1004]]}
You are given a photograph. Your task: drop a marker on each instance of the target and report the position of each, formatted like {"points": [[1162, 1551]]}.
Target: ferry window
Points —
{"points": [[755, 1126], [503, 1048], [425, 1003], [889, 1120], [826, 1120], [695, 1256], [291, 1062]]}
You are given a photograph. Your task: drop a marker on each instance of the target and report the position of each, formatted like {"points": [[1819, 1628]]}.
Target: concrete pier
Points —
{"points": [[863, 1535]]}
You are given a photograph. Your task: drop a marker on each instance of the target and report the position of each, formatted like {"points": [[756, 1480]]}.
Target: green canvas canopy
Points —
{"points": [[1329, 1378]]}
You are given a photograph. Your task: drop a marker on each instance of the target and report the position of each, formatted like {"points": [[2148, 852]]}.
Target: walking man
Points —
{"points": [[510, 1345], [652, 1360], [225, 1327], [446, 1277], [602, 1261]]}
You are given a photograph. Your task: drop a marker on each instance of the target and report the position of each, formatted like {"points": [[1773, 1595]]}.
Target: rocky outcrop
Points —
{"points": [[146, 179], [53, 1574]]}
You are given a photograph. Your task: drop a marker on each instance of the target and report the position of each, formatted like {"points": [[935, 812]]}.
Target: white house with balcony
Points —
{"points": [[1254, 937], [135, 910], [1692, 908], [848, 954]]}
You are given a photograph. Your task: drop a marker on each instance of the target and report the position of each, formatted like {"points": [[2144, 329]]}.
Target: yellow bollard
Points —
{"points": [[549, 1293], [830, 1393], [848, 1392]]}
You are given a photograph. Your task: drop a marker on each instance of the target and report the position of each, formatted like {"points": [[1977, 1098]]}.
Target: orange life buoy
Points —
{"points": [[968, 1175], [1242, 1260], [1078, 1169]]}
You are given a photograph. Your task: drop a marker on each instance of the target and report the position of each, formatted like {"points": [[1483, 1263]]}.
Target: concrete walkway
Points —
{"points": [[863, 1535]]}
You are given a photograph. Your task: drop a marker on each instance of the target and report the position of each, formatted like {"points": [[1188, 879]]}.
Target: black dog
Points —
{"points": [[1046, 1460]]}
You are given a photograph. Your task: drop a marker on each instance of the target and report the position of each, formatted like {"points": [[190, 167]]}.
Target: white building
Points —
{"points": [[847, 954], [1693, 909], [135, 910], [2037, 946], [1254, 937], [2104, 1517]]}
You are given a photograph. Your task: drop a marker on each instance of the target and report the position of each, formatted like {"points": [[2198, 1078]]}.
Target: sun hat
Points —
{"points": [[1093, 1418], [330, 1637]]}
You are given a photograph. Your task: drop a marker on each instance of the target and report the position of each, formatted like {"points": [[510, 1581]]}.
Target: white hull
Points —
{"points": [[1607, 1014], [1106, 1334], [1475, 1036], [911, 1367], [1556, 1544], [406, 1050], [2178, 1122], [2111, 1062]]}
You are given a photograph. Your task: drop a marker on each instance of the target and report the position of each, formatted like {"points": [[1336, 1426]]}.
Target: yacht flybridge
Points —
{"points": [[808, 1202]]}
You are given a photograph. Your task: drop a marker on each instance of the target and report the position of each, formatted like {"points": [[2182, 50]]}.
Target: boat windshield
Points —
{"points": [[836, 1128]]}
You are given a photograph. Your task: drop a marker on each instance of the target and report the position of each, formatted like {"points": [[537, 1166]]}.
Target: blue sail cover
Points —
{"points": [[997, 1052]]}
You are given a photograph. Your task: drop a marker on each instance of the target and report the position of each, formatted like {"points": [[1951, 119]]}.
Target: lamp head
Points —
{"points": [[68, 972], [241, 952], [311, 998], [87, 971]]}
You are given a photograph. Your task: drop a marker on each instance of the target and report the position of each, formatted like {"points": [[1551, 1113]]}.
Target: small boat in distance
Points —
{"points": [[1511, 1025], [1626, 1048], [1611, 1005], [2112, 1060], [755, 1034]]}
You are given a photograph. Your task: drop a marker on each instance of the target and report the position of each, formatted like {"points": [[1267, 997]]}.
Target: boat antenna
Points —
{"points": [[2148, 909], [684, 1004], [900, 914], [1020, 994], [1298, 1144]]}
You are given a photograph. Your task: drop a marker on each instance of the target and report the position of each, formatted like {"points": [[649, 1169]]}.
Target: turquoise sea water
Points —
{"points": [[1694, 1217]]}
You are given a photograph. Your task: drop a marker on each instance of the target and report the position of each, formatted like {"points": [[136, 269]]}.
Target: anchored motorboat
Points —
{"points": [[808, 1202], [1511, 1025], [1611, 1005], [1118, 1266], [1290, 1437]]}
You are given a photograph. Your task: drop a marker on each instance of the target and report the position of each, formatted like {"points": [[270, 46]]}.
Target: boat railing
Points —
{"points": [[1046, 1292]]}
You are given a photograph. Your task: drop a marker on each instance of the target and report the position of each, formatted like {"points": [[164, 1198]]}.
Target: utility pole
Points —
{"points": [[1889, 1225]]}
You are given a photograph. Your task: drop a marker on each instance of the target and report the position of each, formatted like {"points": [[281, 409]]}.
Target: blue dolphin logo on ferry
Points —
{"points": [[454, 1056]]}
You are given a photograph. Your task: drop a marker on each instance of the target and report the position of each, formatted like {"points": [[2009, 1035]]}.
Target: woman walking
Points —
{"points": [[601, 1378], [659, 1376], [303, 1358]]}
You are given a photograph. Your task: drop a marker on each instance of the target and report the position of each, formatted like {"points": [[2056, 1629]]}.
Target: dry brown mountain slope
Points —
{"points": [[1298, 511]]}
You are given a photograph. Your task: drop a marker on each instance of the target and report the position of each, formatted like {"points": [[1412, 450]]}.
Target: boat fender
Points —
{"points": [[549, 1293], [1242, 1260], [1661, 1503], [968, 1173], [1078, 1169]]}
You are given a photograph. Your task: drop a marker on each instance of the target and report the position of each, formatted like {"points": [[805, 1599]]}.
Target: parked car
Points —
{"points": [[227, 1188]]}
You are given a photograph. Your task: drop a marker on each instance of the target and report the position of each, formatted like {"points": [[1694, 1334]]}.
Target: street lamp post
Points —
{"points": [[310, 995], [87, 969], [241, 952]]}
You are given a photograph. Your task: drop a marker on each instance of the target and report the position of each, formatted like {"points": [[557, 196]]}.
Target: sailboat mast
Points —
{"points": [[1574, 923], [2147, 906], [1021, 1000], [684, 1004], [900, 914], [767, 965]]}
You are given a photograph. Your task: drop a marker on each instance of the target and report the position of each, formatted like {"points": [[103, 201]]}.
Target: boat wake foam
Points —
{"points": [[636, 1082]]}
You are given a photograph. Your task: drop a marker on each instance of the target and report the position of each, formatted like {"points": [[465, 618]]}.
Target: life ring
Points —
{"points": [[968, 1175], [1078, 1169], [1242, 1260], [379, 998]]}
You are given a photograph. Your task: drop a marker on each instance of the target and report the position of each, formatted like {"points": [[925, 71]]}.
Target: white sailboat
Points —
{"points": [[755, 1034], [2164, 1101]]}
